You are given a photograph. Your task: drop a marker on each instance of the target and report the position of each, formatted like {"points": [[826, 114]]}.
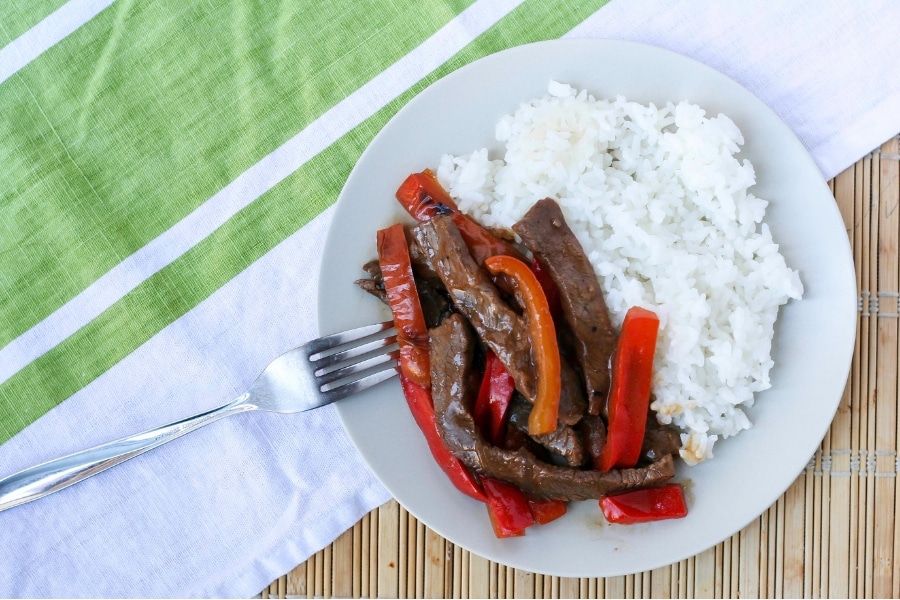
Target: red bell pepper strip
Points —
{"points": [[545, 511], [543, 336], [412, 333], [649, 504], [421, 406], [507, 507], [496, 391], [423, 197], [629, 395]]}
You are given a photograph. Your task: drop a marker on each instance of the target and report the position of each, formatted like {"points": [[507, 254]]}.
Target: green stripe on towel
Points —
{"points": [[248, 235], [17, 17], [116, 133]]}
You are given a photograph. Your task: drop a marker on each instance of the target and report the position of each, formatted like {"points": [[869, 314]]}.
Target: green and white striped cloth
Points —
{"points": [[166, 173]]}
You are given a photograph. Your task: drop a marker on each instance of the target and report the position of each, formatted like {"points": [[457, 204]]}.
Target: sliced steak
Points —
{"points": [[544, 231], [434, 301], [572, 404], [452, 404], [432, 295], [374, 285], [373, 270], [565, 442], [421, 266], [659, 440], [550, 482], [452, 346], [593, 432], [474, 295]]}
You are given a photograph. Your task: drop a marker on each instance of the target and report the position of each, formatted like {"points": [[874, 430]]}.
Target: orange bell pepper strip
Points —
{"points": [[403, 298], [545, 348], [629, 393], [424, 198]]}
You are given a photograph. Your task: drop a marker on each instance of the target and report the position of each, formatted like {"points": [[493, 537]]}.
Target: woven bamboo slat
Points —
{"points": [[832, 534]]}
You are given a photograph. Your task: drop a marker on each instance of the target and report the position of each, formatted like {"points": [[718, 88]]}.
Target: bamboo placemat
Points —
{"points": [[832, 534]]}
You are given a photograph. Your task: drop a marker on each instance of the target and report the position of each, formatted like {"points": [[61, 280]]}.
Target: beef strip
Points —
{"points": [[501, 328], [432, 295], [544, 231], [422, 267], [550, 482], [434, 301], [373, 270], [659, 440], [593, 433], [470, 288], [452, 404], [374, 285], [572, 404], [565, 442]]}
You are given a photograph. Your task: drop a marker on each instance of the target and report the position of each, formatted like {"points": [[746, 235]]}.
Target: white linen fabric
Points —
{"points": [[828, 69], [231, 507]]}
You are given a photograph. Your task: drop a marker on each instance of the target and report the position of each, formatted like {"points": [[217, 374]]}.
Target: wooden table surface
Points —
{"points": [[832, 534]]}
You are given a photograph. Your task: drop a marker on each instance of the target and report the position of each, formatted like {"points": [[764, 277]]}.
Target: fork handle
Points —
{"points": [[54, 475]]}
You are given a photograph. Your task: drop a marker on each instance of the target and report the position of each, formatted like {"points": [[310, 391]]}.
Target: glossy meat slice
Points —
{"points": [[659, 440], [544, 231], [500, 327], [433, 299], [572, 404], [452, 404], [565, 441], [474, 295], [375, 285], [593, 432]]}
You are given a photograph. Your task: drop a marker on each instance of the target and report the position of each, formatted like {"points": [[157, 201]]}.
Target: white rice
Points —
{"points": [[662, 208]]}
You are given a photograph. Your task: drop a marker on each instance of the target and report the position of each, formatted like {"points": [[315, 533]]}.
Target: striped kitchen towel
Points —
{"points": [[167, 170]]}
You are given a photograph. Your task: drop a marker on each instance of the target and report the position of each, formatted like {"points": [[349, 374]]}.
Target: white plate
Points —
{"points": [[814, 337]]}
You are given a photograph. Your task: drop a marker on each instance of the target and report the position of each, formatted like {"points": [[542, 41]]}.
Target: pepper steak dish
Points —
{"points": [[527, 395]]}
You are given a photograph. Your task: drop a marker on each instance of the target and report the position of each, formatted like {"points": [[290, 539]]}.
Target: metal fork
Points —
{"points": [[315, 374]]}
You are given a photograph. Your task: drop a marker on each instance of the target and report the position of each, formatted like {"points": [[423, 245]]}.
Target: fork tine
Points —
{"points": [[341, 392], [336, 339], [355, 368], [345, 363], [353, 352]]}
